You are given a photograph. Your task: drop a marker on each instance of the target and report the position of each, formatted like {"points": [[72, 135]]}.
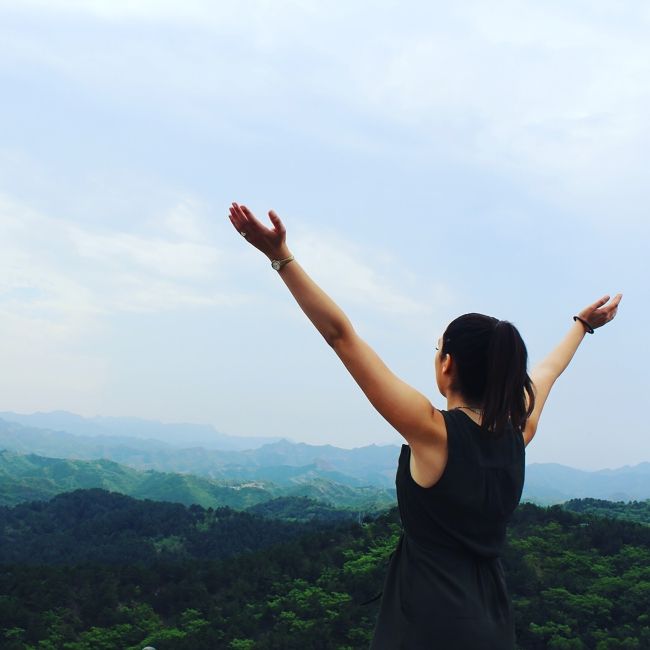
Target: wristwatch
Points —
{"points": [[278, 264]]}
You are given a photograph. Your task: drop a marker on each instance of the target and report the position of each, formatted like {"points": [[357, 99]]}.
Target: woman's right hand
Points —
{"points": [[600, 312]]}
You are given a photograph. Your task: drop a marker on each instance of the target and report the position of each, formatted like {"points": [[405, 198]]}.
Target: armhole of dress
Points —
{"points": [[445, 471]]}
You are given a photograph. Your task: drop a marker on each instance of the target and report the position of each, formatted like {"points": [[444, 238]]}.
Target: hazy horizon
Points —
{"points": [[224, 433], [427, 160]]}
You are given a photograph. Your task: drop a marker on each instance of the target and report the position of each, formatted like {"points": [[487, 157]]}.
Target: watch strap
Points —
{"points": [[278, 264]]}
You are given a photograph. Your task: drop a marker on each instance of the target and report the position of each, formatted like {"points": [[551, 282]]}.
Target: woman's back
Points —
{"points": [[445, 573], [474, 498], [445, 586]]}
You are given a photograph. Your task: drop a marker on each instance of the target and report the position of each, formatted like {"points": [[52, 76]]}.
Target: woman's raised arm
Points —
{"points": [[328, 318], [402, 406], [547, 371]]}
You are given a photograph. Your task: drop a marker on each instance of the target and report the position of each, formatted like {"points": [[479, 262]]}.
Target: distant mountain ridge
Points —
{"points": [[283, 462], [177, 434], [550, 483], [318, 469]]}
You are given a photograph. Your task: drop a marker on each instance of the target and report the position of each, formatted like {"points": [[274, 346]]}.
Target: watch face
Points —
{"points": [[276, 265]]}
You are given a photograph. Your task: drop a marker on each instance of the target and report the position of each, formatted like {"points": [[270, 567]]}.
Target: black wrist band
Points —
{"points": [[588, 327]]}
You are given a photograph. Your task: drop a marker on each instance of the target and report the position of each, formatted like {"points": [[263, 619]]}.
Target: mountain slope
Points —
{"points": [[284, 463], [31, 477], [294, 466], [550, 483]]}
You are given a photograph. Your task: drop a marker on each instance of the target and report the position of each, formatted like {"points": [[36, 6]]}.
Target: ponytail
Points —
{"points": [[507, 381], [491, 359]]}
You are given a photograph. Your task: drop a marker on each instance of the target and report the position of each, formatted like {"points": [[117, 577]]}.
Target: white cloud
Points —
{"points": [[60, 271], [360, 275], [124, 9], [553, 95], [173, 259], [183, 222], [32, 281], [55, 269]]}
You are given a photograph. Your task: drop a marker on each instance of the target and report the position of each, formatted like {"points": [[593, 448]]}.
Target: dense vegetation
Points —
{"points": [[108, 528], [632, 510], [303, 509], [578, 581]]}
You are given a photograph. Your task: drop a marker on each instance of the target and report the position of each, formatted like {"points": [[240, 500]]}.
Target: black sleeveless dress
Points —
{"points": [[445, 588]]}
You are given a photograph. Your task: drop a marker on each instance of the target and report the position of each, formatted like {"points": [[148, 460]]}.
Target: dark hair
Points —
{"points": [[490, 358]]}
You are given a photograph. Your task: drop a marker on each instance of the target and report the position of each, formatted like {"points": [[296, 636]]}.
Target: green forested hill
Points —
{"points": [[578, 581], [108, 528], [638, 511], [30, 477], [302, 509]]}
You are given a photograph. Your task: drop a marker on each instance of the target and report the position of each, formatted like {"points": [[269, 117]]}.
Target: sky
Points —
{"points": [[428, 159]]}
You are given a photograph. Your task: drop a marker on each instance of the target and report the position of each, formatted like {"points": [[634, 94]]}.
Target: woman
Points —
{"points": [[461, 474]]}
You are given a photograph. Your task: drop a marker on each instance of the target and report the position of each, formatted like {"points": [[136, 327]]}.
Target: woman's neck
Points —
{"points": [[457, 401], [454, 400]]}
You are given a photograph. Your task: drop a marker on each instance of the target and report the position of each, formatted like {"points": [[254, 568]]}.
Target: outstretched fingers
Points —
{"points": [[612, 308], [237, 217], [244, 217], [277, 224], [599, 303], [259, 235], [602, 311], [253, 220]]}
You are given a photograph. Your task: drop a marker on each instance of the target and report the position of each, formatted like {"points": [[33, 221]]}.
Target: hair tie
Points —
{"points": [[589, 329]]}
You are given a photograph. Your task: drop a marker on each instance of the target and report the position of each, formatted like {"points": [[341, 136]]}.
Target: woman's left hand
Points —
{"points": [[272, 242], [601, 313]]}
